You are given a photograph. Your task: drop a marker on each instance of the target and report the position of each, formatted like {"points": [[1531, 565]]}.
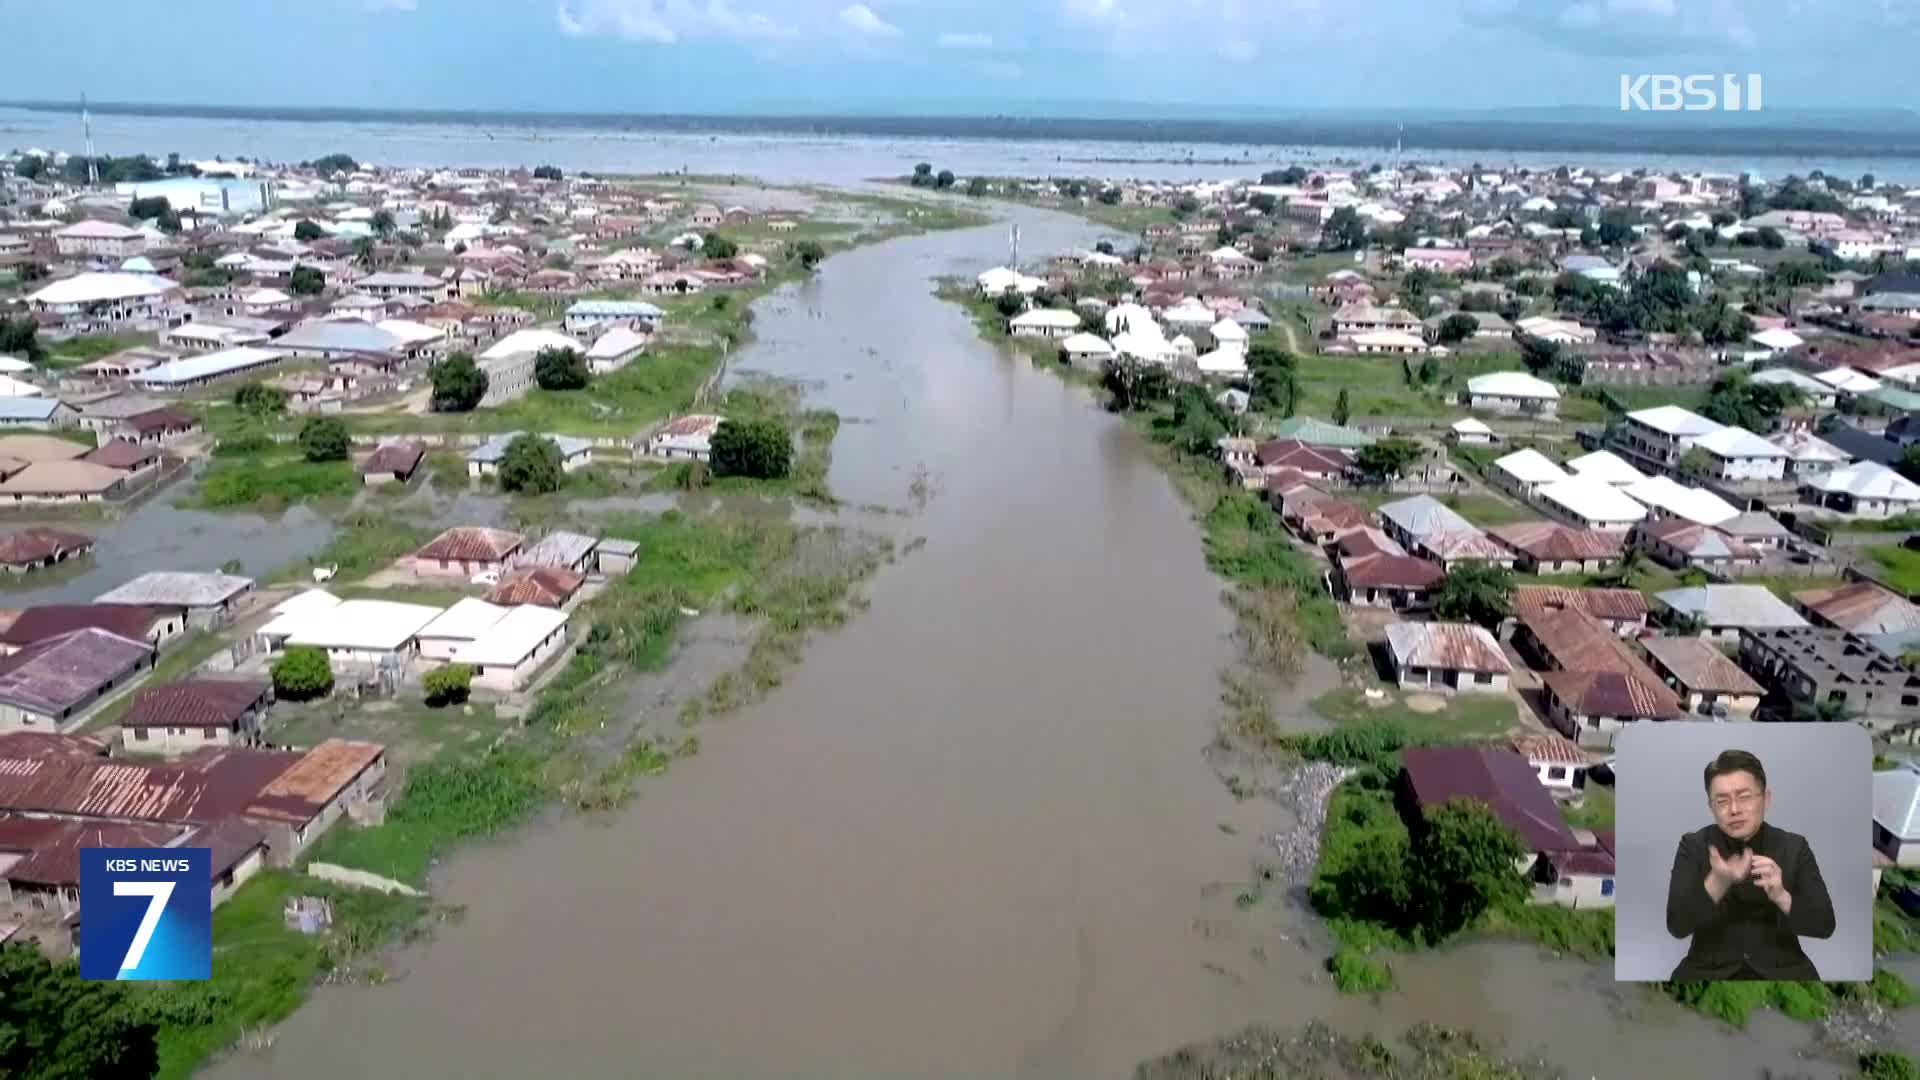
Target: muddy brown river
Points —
{"points": [[973, 835]]}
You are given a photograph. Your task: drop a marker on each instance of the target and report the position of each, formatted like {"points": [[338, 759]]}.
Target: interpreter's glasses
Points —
{"points": [[1743, 800]]}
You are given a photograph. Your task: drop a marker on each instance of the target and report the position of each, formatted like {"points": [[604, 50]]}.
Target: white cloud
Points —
{"points": [[664, 22], [390, 5], [861, 19], [951, 40], [1097, 11]]}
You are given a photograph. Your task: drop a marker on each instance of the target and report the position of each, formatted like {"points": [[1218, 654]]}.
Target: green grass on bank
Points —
{"points": [[1462, 717], [1899, 566], [269, 483]]}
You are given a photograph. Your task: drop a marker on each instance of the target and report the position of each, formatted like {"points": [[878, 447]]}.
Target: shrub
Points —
{"points": [[302, 673], [448, 685], [532, 465], [324, 438], [1354, 972], [560, 369], [759, 449]]}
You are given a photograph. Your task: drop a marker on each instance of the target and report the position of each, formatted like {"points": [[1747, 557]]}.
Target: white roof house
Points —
{"points": [[193, 369], [1087, 345], [1130, 318], [1227, 332], [1222, 361], [514, 637], [100, 287], [1470, 426], [1733, 606], [1809, 451], [12, 387], [1735, 442], [999, 279], [1530, 467], [1593, 503], [1896, 802], [1674, 421], [1868, 480], [1848, 381], [1804, 383], [1512, 384], [354, 625], [616, 343], [1665, 496], [1045, 319], [1778, 340], [306, 602], [1424, 515], [1606, 467], [1390, 339], [530, 341], [466, 620]]}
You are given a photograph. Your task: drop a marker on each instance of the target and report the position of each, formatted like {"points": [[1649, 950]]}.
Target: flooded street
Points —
{"points": [[974, 834]]}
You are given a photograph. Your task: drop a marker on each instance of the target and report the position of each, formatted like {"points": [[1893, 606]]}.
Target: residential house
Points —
{"points": [[56, 683], [1808, 455], [1896, 813], [1045, 323], [686, 437], [485, 459], [39, 547], [565, 550], [1623, 612], [392, 463], [185, 716], [1706, 682], [393, 283], [131, 458], [1582, 879], [1859, 607], [615, 557], [1546, 547], [100, 239], [615, 349], [1820, 667], [205, 599], [1525, 471], [1684, 545], [36, 413], [1736, 454], [1467, 431], [547, 586], [1506, 784], [1666, 498], [1383, 575], [1594, 706], [464, 551], [109, 301], [1655, 439], [1757, 529], [1410, 520], [1318, 463], [1451, 547], [361, 635], [1560, 765], [1363, 317], [158, 427], [507, 654], [1446, 656], [1315, 516], [1590, 504], [42, 622], [1862, 490], [57, 482], [1514, 392], [1727, 610]]}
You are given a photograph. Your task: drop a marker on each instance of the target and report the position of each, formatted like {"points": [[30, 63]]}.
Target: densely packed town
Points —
{"points": [[1626, 447]]}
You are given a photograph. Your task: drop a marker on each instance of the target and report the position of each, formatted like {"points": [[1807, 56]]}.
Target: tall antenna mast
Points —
{"points": [[1013, 248], [86, 125]]}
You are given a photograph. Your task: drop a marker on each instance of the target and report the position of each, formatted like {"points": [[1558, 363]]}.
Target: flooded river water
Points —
{"points": [[974, 834]]}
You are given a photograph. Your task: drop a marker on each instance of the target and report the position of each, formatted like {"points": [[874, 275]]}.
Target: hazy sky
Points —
{"points": [[906, 55]]}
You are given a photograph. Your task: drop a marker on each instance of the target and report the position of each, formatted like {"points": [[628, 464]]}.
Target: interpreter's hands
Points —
{"points": [[1729, 870], [1766, 874]]}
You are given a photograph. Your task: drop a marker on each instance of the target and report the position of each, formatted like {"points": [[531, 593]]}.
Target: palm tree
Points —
{"points": [[1622, 573]]}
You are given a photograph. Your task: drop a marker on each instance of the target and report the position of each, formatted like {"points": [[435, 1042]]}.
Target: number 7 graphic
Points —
{"points": [[157, 893]]}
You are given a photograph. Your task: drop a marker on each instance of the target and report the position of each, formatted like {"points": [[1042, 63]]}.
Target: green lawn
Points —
{"points": [[271, 482], [76, 351], [1489, 510], [1465, 717], [1595, 810], [1901, 566]]}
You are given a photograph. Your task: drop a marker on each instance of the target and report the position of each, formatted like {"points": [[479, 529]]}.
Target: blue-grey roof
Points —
{"points": [[616, 309], [1424, 515], [1862, 445], [28, 408], [339, 335], [1752, 606], [495, 448]]}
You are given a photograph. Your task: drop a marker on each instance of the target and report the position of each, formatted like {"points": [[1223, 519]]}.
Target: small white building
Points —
{"points": [[1514, 392], [687, 438], [1590, 504], [354, 633], [1470, 432], [1896, 814], [1863, 490], [505, 657], [1086, 350], [1738, 454], [1525, 471], [1045, 323], [1446, 656]]}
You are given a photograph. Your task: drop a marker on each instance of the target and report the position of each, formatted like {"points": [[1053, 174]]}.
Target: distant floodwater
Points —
{"points": [[839, 158]]}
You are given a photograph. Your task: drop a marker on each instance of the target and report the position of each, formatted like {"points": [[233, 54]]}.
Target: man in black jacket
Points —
{"points": [[1746, 891]]}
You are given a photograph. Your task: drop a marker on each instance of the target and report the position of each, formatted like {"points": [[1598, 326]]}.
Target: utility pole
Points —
{"points": [[1013, 248], [86, 125]]}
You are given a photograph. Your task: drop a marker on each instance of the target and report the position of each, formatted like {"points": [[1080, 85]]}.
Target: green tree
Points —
{"points": [[307, 232], [30, 167], [944, 179], [715, 246], [1342, 408], [977, 186], [532, 465], [1475, 592], [56, 1026], [1366, 880], [1771, 238], [1909, 466], [382, 223], [1695, 465], [333, 163], [1887, 1065], [1109, 196], [148, 208], [1009, 303], [562, 369], [458, 383], [1132, 385], [260, 400], [448, 685], [1264, 202], [302, 673], [21, 337], [1457, 328], [1466, 861], [1737, 400], [1276, 379], [922, 175], [1621, 574], [808, 252], [546, 172], [307, 281], [1198, 421], [324, 438], [758, 449], [1388, 458], [1345, 231]]}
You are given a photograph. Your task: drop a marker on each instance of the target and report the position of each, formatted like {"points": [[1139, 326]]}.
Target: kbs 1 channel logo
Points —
{"points": [[146, 913]]}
